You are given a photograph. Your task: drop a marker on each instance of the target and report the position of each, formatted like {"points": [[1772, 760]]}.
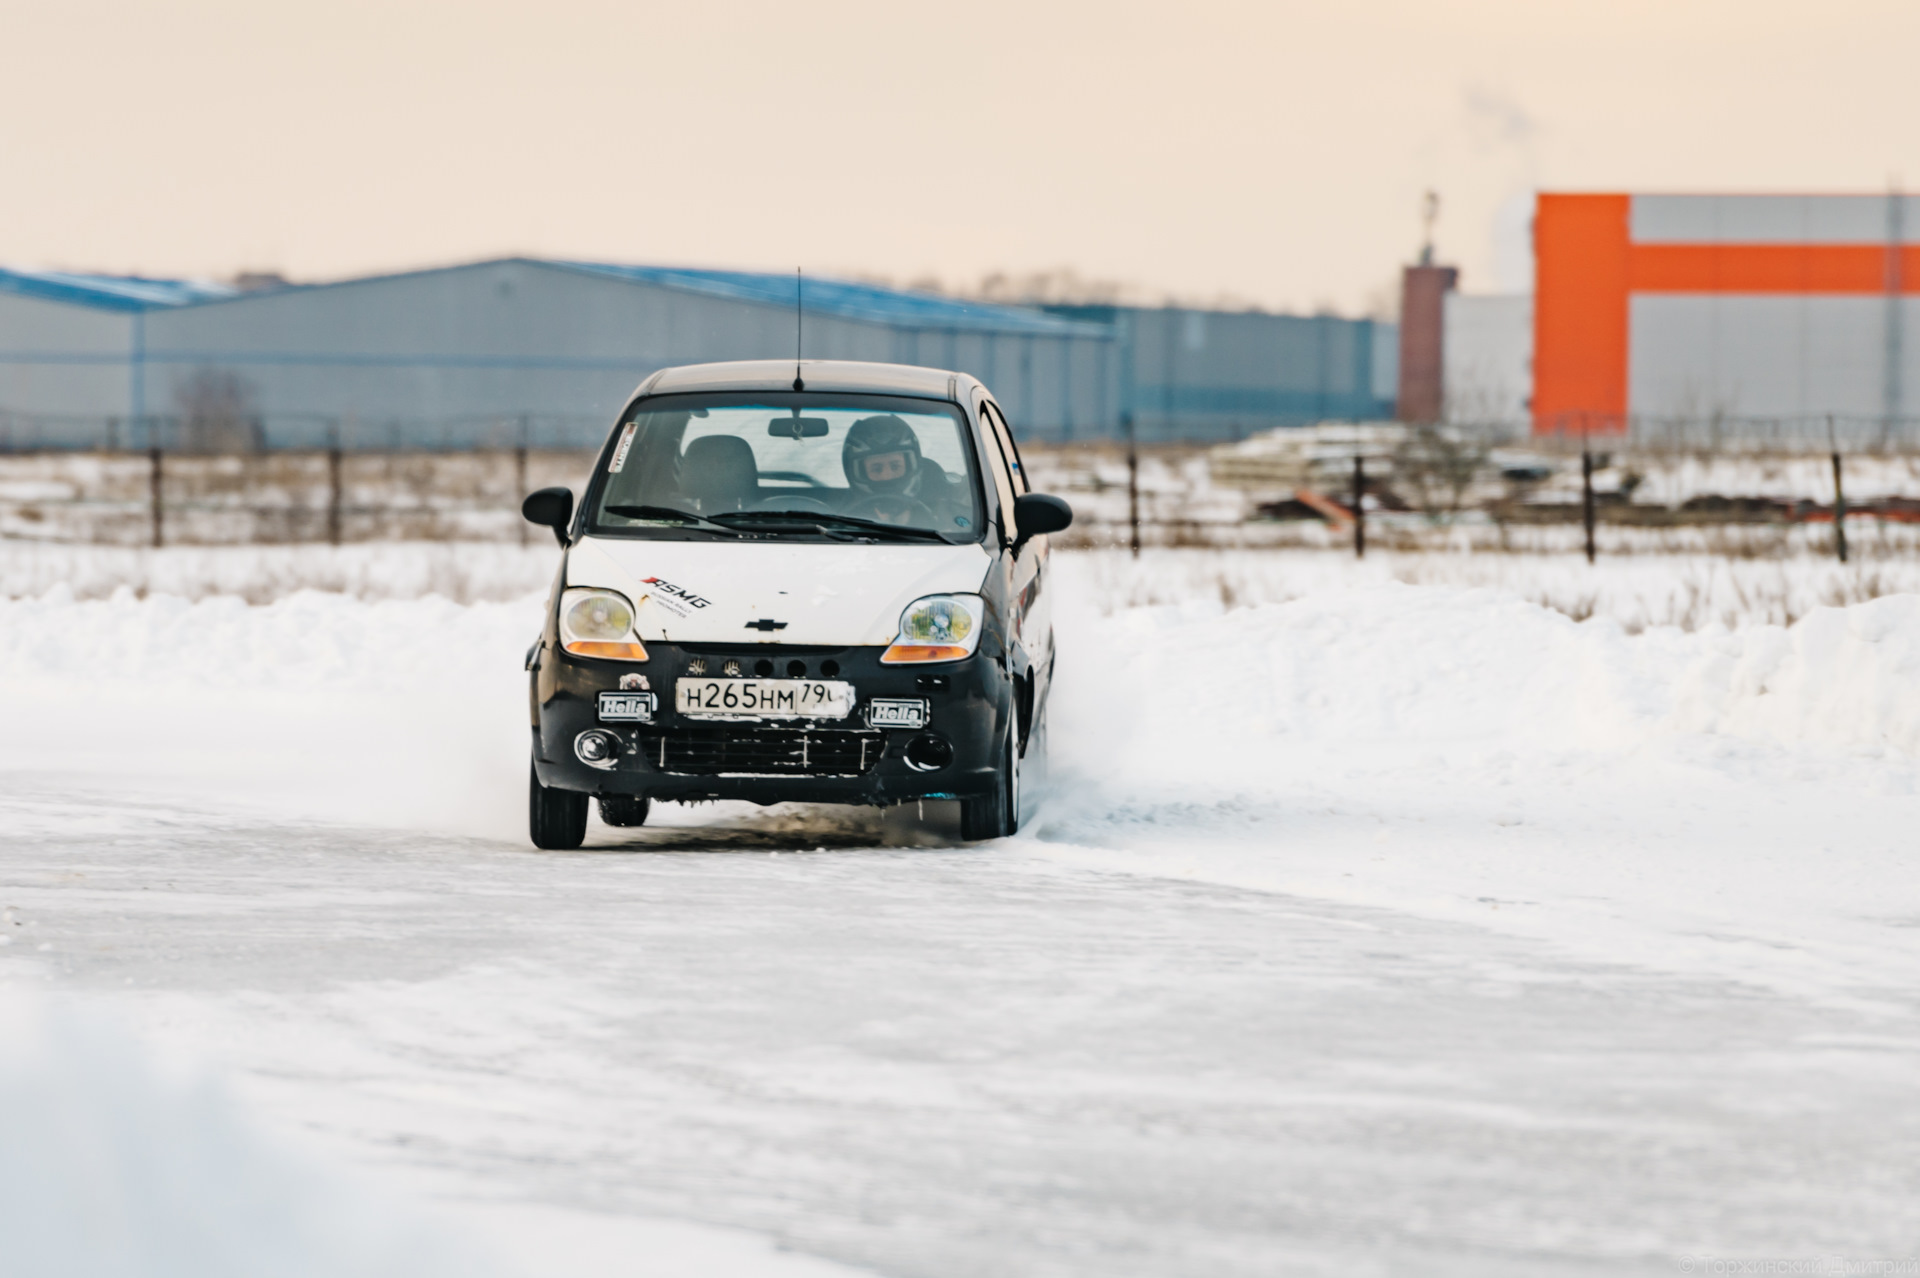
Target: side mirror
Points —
{"points": [[1037, 514], [552, 507]]}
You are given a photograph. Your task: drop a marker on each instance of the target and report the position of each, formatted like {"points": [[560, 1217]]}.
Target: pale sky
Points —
{"points": [[1272, 152]]}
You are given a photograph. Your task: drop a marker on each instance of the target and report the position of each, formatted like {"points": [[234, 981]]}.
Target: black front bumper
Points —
{"points": [[771, 761]]}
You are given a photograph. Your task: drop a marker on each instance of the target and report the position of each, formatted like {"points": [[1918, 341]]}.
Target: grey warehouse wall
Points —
{"points": [[1193, 374], [61, 359], [547, 352], [503, 339]]}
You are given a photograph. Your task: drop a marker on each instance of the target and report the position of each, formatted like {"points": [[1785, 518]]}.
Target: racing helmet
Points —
{"points": [[882, 455]]}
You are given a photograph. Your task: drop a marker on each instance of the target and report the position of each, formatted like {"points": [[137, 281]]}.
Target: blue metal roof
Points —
{"points": [[824, 295], [896, 308], [109, 292]]}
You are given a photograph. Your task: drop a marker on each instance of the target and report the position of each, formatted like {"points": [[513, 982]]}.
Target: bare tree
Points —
{"points": [[1435, 467], [217, 412]]}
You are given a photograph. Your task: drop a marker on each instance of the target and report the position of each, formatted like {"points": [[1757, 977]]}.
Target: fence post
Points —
{"points": [[1839, 511], [520, 479], [153, 490], [334, 487], [1586, 492], [1133, 486], [1839, 495], [1359, 508]]}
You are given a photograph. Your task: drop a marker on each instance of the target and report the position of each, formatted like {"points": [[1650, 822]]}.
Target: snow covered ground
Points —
{"points": [[1367, 927], [1638, 589]]}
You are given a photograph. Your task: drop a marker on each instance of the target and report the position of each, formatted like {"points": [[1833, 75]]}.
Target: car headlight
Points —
{"points": [[938, 628], [599, 623]]}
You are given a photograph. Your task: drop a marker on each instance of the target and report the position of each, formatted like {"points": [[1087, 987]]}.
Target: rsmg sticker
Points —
{"points": [[620, 452], [677, 600]]}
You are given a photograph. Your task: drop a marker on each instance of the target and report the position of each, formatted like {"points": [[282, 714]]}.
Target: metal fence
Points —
{"points": [[296, 432], [1721, 433], [238, 478]]}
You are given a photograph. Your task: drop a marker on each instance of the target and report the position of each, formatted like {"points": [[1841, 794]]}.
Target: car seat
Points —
{"points": [[718, 472]]}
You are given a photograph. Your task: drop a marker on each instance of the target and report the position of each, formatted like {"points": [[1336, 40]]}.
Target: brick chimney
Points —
{"points": [[1423, 294]]}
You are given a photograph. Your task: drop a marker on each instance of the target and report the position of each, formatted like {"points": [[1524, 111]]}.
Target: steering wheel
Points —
{"points": [[792, 501], [889, 509]]}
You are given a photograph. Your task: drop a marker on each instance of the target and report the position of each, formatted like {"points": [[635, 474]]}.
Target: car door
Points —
{"points": [[1032, 606]]}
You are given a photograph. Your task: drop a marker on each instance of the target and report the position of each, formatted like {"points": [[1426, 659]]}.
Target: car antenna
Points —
{"points": [[799, 321]]}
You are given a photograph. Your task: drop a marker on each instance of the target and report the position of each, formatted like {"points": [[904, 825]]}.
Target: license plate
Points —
{"points": [[763, 698], [896, 713], [627, 707]]}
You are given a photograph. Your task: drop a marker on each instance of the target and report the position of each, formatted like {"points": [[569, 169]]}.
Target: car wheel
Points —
{"points": [[996, 814], [556, 819], [625, 809]]}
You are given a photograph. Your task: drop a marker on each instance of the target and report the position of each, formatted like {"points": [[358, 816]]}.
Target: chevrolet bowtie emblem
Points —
{"points": [[766, 623]]}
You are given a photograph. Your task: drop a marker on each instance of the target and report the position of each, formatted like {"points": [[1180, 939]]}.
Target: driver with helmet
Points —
{"points": [[891, 481]]}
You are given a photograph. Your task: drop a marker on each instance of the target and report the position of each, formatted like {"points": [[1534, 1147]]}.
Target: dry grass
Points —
{"points": [[1691, 592]]}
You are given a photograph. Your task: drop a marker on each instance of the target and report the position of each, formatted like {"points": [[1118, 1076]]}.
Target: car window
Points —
{"points": [[997, 463], [888, 460], [1005, 439]]}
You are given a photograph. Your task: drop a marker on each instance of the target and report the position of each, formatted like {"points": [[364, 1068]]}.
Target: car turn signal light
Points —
{"points": [[602, 648], [900, 653]]}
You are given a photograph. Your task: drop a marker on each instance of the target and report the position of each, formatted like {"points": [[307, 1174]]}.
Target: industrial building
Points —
{"points": [[1701, 316], [455, 356], [1187, 374], [542, 352]]}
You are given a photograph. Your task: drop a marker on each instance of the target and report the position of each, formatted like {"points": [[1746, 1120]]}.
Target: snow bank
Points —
{"points": [[1848, 678], [1639, 591], [467, 572], [413, 711], [1775, 583], [1212, 698], [400, 712], [112, 1169]]}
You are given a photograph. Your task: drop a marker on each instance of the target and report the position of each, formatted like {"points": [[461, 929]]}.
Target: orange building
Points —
{"points": [[1724, 306]]}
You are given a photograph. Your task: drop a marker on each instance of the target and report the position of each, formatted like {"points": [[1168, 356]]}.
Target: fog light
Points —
{"points": [[596, 748], [929, 752]]}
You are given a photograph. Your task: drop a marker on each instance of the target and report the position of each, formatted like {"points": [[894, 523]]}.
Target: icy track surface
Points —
{"points": [[1393, 929]]}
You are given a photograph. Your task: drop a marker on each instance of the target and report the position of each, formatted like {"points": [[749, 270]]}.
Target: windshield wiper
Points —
{"points": [[821, 520], [668, 512]]}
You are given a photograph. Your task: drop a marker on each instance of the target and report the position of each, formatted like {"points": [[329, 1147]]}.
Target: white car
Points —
{"points": [[823, 582]]}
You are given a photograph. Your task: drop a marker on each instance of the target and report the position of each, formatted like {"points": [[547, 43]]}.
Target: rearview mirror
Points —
{"points": [[551, 507], [797, 427], [1037, 514]]}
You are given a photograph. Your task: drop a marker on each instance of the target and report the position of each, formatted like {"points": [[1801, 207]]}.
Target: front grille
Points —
{"points": [[806, 752]]}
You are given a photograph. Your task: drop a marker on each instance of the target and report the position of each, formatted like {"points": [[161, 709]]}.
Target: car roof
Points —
{"points": [[819, 375]]}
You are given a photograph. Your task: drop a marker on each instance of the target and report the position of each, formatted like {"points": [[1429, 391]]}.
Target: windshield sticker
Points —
{"points": [[620, 453], [677, 600]]}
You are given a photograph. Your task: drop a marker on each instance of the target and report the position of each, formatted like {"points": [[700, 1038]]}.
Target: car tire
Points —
{"points": [[625, 809], [996, 814], [556, 819]]}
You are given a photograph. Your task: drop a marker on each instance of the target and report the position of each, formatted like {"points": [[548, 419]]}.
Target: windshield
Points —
{"points": [[833, 467]]}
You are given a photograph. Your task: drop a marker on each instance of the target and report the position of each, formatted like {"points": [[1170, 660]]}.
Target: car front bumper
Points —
{"points": [[679, 757]]}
